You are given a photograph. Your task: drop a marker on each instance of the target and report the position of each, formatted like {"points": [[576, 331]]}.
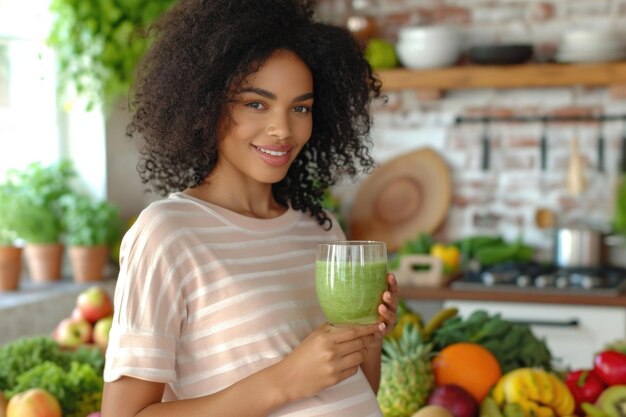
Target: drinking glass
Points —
{"points": [[350, 279]]}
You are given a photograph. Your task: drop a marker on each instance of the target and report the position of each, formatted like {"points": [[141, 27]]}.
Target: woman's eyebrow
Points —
{"points": [[264, 93]]}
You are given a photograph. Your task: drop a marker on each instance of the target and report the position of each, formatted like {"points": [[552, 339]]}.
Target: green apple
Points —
{"points": [[381, 54], [101, 332]]}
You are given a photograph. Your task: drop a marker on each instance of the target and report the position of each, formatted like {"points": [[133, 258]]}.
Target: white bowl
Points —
{"points": [[418, 55], [428, 33], [589, 38]]}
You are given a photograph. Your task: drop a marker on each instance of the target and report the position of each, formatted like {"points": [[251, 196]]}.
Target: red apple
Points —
{"points": [[35, 402], [71, 333], [101, 332], [455, 399], [94, 303]]}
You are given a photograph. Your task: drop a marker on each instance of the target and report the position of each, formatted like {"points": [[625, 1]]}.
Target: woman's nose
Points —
{"points": [[279, 126]]}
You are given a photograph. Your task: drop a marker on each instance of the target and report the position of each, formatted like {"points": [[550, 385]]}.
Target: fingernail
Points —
{"points": [[382, 327]]}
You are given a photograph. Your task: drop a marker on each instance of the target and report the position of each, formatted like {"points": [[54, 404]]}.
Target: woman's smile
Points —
{"points": [[274, 155]]}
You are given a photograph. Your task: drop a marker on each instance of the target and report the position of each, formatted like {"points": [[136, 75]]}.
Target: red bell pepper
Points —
{"points": [[610, 366], [585, 386]]}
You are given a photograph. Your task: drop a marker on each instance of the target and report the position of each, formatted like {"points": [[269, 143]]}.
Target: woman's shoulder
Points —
{"points": [[170, 214]]}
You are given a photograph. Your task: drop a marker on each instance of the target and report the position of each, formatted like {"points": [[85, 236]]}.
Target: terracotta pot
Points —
{"points": [[44, 261], [88, 262], [10, 268]]}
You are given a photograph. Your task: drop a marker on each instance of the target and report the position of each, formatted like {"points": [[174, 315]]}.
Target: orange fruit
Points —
{"points": [[468, 365]]}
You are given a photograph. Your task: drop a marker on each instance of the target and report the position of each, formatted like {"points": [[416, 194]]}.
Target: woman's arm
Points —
{"points": [[328, 356], [387, 311]]}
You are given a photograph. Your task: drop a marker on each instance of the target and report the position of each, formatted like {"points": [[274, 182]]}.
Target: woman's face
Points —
{"points": [[271, 120]]}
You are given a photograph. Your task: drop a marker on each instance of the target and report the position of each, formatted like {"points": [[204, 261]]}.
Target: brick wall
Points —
{"points": [[505, 198]]}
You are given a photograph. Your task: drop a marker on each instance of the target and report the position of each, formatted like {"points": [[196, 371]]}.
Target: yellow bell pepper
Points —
{"points": [[449, 254]]}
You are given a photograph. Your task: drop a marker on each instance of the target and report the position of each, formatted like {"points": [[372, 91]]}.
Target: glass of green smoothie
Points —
{"points": [[350, 279]]}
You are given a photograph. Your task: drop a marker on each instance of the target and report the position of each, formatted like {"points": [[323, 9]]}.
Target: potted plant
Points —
{"points": [[91, 227], [10, 252], [97, 46], [39, 188]]}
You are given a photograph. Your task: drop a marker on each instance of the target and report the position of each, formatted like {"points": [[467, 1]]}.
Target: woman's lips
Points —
{"points": [[275, 156]]}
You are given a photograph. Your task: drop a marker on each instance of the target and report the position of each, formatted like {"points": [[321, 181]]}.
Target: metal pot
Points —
{"points": [[616, 250], [576, 247]]}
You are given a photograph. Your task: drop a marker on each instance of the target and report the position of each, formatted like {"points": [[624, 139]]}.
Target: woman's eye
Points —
{"points": [[256, 105], [302, 109]]}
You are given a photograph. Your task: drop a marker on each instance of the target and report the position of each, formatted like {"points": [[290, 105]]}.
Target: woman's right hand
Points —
{"points": [[326, 357]]}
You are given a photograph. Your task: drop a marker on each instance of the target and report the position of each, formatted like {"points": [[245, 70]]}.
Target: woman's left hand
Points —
{"points": [[388, 308]]}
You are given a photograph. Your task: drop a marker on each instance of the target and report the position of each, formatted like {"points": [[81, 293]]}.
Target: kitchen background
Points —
{"points": [[503, 199]]}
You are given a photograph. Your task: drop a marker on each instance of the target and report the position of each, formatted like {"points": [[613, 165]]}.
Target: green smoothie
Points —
{"points": [[350, 293]]}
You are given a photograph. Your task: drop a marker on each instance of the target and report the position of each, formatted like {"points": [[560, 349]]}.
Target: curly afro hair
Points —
{"points": [[202, 50]]}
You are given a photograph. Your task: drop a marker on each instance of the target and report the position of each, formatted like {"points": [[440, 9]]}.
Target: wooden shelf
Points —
{"points": [[517, 76]]}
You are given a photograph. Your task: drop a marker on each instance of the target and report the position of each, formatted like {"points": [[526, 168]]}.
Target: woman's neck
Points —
{"points": [[243, 196]]}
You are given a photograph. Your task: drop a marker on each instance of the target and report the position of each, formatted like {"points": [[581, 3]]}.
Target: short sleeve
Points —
{"points": [[149, 310]]}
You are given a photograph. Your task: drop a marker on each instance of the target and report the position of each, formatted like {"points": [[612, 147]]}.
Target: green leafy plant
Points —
{"points": [[97, 45], [88, 222], [37, 191], [9, 214]]}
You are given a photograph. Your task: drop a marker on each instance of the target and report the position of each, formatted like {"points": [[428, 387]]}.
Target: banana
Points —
{"points": [[515, 392], [513, 410], [530, 384], [563, 403], [544, 411], [544, 384], [497, 392], [437, 320]]}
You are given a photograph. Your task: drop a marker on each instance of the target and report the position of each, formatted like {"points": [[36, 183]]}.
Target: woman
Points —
{"points": [[248, 110]]}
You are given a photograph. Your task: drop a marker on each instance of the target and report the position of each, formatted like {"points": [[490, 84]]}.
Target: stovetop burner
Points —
{"points": [[533, 276]]}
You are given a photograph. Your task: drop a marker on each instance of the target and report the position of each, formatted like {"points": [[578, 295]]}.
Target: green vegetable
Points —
{"points": [[22, 355], [490, 250], [513, 344], [97, 45], [78, 388], [470, 245], [420, 245]]}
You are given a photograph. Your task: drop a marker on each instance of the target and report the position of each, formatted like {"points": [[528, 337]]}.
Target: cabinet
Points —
{"points": [[572, 333]]}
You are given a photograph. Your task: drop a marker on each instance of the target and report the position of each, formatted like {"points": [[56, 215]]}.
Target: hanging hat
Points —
{"points": [[401, 198]]}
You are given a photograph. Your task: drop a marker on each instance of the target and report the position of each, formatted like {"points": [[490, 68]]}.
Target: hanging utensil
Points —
{"points": [[600, 144], [486, 146], [543, 145], [576, 181]]}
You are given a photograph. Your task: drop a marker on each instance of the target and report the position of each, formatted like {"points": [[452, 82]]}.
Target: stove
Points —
{"points": [[533, 277]]}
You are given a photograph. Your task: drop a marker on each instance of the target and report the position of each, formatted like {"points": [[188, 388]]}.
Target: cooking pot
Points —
{"points": [[579, 247]]}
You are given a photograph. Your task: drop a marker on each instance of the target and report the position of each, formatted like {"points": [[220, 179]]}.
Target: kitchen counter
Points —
{"points": [[447, 293]]}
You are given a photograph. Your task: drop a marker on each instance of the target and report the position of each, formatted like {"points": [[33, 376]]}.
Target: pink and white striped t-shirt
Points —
{"points": [[205, 297]]}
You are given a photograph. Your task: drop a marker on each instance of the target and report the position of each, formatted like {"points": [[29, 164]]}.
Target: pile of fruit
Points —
{"points": [[59, 375], [89, 322], [485, 366]]}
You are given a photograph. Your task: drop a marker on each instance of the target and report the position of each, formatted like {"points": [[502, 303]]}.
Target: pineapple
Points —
{"points": [[406, 376]]}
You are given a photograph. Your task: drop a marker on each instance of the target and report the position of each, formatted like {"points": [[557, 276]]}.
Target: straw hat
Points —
{"points": [[402, 197]]}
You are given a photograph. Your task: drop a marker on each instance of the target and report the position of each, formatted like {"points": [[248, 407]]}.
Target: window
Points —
{"points": [[29, 120]]}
